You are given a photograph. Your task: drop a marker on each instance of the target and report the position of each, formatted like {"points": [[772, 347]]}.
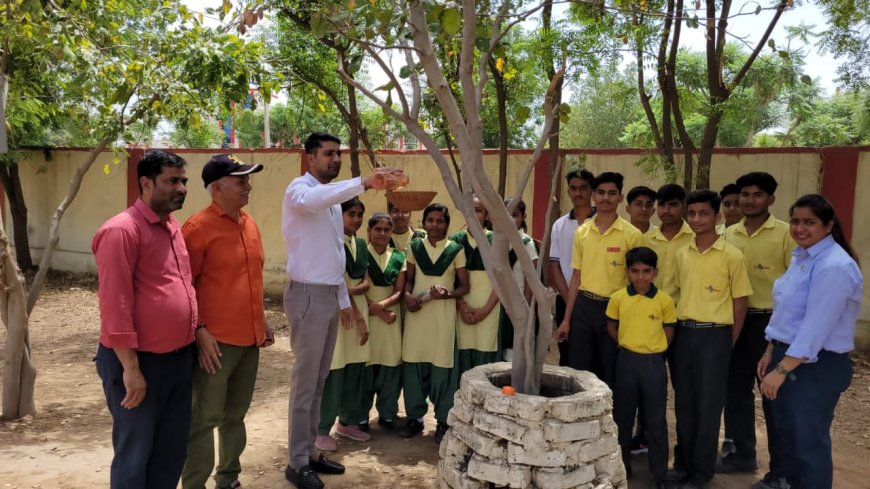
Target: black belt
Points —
{"points": [[183, 349], [753, 310], [689, 323], [593, 296]]}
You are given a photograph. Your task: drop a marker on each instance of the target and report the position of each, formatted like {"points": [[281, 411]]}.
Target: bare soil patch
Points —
{"points": [[68, 444]]}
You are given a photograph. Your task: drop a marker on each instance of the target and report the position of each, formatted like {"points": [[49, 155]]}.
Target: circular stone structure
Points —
{"points": [[564, 438]]}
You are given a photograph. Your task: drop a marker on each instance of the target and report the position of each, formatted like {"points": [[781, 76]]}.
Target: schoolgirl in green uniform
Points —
{"points": [[386, 270], [344, 390], [435, 266], [478, 318]]}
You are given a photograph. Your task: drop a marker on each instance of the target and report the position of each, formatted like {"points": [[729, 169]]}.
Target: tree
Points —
{"points": [[413, 30], [603, 104], [119, 63], [197, 133], [653, 30], [847, 37]]}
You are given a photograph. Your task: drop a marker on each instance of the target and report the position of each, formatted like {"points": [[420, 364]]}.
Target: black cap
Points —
{"points": [[225, 165]]}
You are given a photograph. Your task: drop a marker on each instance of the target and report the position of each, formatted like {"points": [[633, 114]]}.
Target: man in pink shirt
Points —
{"points": [[147, 319]]}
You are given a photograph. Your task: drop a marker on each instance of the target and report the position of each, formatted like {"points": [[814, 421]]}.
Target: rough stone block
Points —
{"points": [[530, 408], [499, 473], [580, 453], [483, 469], [608, 426], [499, 426], [456, 479], [461, 410], [480, 442], [606, 467], [565, 432], [536, 456], [452, 445], [578, 408], [559, 478]]}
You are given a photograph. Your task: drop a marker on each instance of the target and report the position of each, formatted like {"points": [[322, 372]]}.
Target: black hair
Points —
{"points": [[436, 207], [821, 208], [521, 206], [380, 216], [641, 191], [153, 162], [347, 204], [643, 255], [760, 179], [704, 195], [316, 138], [669, 192], [730, 189], [390, 206], [582, 174], [608, 177]]}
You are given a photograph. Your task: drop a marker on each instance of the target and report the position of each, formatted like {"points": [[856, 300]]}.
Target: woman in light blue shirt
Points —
{"points": [[806, 366]]}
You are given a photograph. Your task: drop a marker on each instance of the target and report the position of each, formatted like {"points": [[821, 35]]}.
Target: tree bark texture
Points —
{"points": [[19, 374], [12, 186]]}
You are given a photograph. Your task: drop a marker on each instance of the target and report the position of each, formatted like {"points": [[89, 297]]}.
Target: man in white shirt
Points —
{"points": [[562, 243], [316, 295]]}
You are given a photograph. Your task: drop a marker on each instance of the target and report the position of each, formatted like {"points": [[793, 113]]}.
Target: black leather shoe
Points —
{"points": [[440, 431], [676, 476], [304, 478], [326, 466], [411, 429], [387, 425], [732, 464]]}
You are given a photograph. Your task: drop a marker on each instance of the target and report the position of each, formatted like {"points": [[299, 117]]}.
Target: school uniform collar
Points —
{"points": [[719, 244], [651, 293], [818, 248], [619, 224], [573, 217], [769, 223], [684, 229]]}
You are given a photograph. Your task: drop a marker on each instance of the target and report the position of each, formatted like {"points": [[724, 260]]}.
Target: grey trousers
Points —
{"points": [[312, 311]]}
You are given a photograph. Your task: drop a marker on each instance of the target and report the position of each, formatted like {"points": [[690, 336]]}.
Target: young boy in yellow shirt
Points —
{"points": [[713, 285], [641, 319]]}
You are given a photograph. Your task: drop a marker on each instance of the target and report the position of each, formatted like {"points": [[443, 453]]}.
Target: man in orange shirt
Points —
{"points": [[226, 258]]}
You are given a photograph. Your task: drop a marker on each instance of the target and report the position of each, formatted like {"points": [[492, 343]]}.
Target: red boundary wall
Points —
{"points": [[839, 179]]}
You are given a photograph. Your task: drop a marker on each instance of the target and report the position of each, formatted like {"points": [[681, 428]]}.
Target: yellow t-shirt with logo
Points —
{"points": [[667, 249], [601, 257], [642, 318], [767, 253], [708, 282]]}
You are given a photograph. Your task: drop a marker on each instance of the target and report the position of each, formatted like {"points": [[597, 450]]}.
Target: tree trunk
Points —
{"points": [[17, 208], [501, 100], [54, 231], [353, 124], [19, 375]]}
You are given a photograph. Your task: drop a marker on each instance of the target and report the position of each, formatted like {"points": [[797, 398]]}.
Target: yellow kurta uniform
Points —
{"points": [[430, 333], [347, 347], [385, 340], [666, 249], [482, 336], [767, 253]]}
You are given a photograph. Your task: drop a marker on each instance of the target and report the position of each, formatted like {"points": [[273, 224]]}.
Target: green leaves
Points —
{"points": [[451, 21]]}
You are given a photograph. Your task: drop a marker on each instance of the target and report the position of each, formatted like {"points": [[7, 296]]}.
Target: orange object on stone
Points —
{"points": [[508, 391]]}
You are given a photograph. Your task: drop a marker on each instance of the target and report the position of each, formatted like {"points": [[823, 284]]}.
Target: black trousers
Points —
{"points": [[564, 348], [150, 440], [643, 379], [700, 370], [591, 347], [742, 381]]}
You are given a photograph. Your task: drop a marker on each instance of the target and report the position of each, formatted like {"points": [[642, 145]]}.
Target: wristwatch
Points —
{"points": [[779, 368]]}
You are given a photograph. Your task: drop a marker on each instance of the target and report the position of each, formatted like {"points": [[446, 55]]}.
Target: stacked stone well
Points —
{"points": [[564, 438]]}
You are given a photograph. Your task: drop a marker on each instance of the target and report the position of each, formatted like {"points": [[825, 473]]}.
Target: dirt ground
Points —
{"points": [[68, 444]]}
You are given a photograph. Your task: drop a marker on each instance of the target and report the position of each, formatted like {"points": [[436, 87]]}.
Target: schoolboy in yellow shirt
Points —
{"points": [[713, 285], [641, 319], [598, 261]]}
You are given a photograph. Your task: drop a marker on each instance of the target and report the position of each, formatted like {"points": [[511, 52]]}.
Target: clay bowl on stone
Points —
{"points": [[411, 200]]}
